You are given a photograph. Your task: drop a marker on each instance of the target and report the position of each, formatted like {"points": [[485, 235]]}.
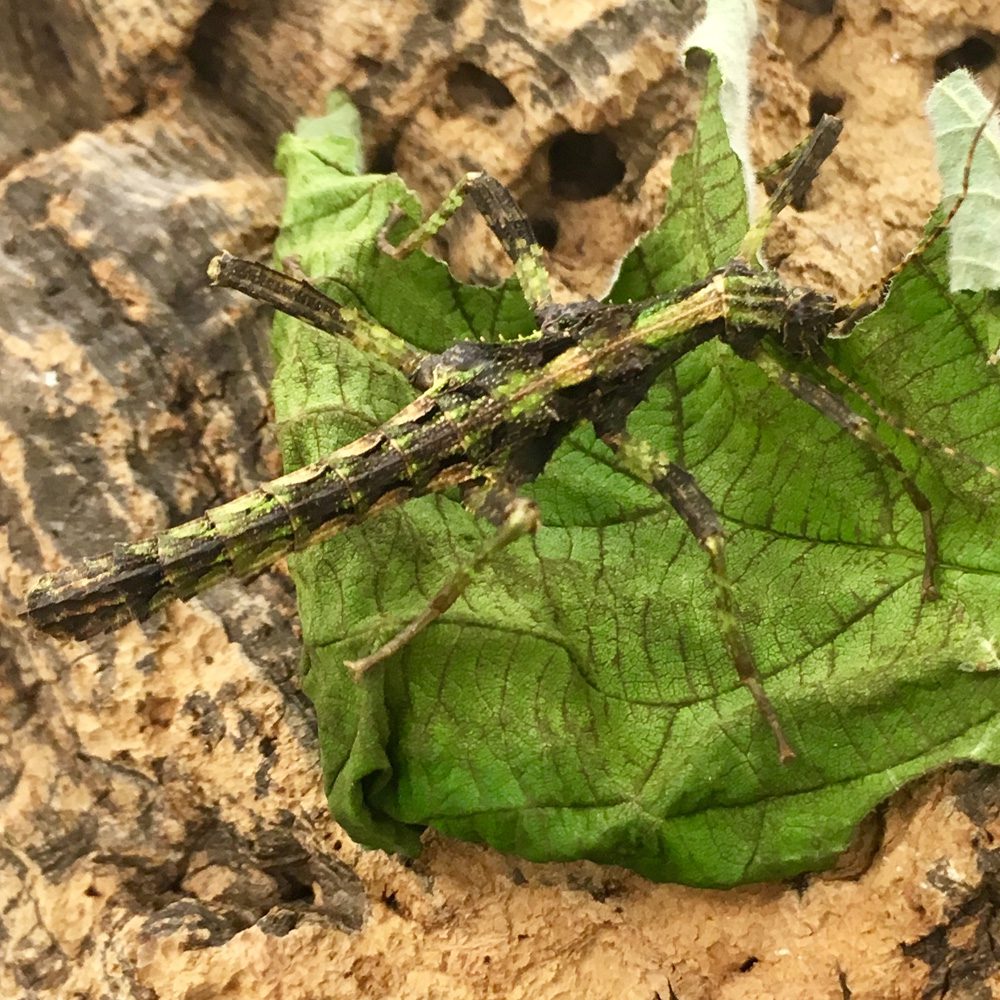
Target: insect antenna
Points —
{"points": [[866, 301], [868, 298]]}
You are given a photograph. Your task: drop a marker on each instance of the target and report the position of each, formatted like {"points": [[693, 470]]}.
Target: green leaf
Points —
{"points": [[725, 36], [706, 216], [957, 109], [578, 700]]}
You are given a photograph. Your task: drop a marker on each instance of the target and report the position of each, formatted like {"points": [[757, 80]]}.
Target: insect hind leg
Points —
{"points": [[831, 406], [673, 482]]}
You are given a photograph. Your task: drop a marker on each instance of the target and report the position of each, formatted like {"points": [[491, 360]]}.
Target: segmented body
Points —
{"points": [[487, 414]]}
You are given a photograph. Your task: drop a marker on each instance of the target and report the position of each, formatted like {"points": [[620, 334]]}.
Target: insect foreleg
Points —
{"points": [[805, 160], [834, 408], [673, 482], [503, 215], [515, 517]]}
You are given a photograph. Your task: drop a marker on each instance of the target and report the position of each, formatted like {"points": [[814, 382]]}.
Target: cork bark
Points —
{"points": [[164, 831]]}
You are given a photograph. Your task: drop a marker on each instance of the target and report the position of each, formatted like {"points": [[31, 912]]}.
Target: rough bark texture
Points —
{"points": [[164, 832]]}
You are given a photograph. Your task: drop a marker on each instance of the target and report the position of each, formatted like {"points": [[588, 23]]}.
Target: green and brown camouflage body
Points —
{"points": [[488, 413]]}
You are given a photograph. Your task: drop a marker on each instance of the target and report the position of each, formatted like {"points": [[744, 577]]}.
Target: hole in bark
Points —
{"points": [[546, 232], [823, 104], [367, 64], [205, 51], [813, 6], [749, 963], [976, 53], [471, 87], [583, 165], [293, 889], [384, 157], [448, 10]]}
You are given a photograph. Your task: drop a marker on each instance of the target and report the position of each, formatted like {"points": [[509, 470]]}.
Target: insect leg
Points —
{"points": [[923, 440], [295, 296], [834, 408], [502, 214], [806, 159], [515, 517], [655, 470]]}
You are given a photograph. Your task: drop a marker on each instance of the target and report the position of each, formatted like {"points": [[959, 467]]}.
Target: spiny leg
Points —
{"points": [[515, 517], [673, 482], [295, 296], [502, 214], [771, 174], [831, 406], [805, 160]]}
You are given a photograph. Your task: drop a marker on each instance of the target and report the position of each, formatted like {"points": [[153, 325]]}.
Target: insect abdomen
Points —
{"points": [[236, 539]]}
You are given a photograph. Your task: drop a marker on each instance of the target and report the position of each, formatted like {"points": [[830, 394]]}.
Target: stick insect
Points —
{"points": [[488, 417]]}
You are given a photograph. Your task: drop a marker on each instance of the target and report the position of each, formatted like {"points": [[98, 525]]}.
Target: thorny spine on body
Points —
{"points": [[489, 416]]}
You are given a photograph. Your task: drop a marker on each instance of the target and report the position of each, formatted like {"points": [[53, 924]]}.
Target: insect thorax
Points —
{"points": [[809, 319], [760, 305]]}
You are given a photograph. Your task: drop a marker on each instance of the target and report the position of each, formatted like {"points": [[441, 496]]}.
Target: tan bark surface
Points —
{"points": [[164, 833]]}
